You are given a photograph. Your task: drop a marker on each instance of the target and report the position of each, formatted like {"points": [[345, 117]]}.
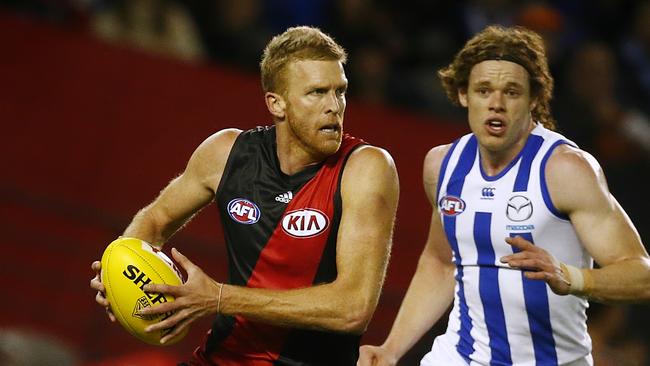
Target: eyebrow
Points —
{"points": [[509, 84], [325, 85]]}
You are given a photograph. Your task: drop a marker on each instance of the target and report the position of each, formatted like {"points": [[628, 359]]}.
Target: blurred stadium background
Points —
{"points": [[102, 103]]}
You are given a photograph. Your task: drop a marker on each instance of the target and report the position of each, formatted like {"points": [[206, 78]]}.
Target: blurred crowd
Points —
{"points": [[599, 53]]}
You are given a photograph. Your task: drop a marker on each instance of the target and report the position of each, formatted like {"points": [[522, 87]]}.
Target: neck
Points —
{"points": [[292, 154], [494, 161]]}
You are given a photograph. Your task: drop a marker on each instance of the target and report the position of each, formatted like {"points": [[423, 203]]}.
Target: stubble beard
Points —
{"points": [[311, 141]]}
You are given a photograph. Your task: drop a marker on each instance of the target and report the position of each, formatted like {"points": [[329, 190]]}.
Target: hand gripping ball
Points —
{"points": [[127, 265]]}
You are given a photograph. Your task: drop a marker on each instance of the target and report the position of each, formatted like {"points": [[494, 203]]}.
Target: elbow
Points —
{"points": [[642, 294], [355, 322], [355, 316]]}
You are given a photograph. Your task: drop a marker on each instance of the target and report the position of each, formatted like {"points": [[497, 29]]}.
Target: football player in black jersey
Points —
{"points": [[305, 91]]}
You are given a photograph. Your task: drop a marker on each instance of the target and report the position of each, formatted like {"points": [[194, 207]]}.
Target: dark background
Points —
{"points": [[102, 103]]}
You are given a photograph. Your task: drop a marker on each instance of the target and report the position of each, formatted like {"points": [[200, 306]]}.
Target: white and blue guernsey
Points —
{"points": [[499, 316]]}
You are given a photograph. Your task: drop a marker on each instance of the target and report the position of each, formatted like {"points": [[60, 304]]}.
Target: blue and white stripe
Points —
{"points": [[499, 316]]}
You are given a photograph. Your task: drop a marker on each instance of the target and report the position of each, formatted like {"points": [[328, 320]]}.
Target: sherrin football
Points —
{"points": [[127, 265]]}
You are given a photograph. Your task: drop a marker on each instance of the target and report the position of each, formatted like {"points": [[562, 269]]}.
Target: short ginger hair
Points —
{"points": [[296, 43]]}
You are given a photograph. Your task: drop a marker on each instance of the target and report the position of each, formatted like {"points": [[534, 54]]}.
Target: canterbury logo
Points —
{"points": [[284, 197]]}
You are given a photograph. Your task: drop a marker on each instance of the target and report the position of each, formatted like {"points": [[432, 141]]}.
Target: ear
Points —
{"points": [[275, 104], [462, 97], [533, 104]]}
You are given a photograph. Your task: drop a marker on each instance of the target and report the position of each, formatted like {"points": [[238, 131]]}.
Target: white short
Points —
{"points": [[442, 354]]}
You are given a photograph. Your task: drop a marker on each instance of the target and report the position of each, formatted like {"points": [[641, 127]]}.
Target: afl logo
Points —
{"points": [[304, 223], [519, 208], [243, 211], [451, 205]]}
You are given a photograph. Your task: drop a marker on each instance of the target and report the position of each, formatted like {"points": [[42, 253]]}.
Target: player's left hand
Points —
{"points": [[196, 298], [537, 264]]}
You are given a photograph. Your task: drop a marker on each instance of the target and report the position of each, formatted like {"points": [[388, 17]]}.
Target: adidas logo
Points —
{"points": [[284, 197]]}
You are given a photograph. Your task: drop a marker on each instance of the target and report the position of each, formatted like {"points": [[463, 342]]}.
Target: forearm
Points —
{"points": [[325, 307], [624, 281], [144, 226], [428, 297], [153, 226]]}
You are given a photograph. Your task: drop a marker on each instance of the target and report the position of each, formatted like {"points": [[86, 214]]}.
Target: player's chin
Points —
{"points": [[329, 147], [493, 143]]}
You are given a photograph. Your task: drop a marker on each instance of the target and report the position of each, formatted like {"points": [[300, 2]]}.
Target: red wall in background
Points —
{"points": [[91, 132]]}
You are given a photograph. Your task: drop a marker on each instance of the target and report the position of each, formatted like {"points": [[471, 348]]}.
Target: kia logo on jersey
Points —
{"points": [[243, 211], [519, 208], [451, 205], [304, 223]]}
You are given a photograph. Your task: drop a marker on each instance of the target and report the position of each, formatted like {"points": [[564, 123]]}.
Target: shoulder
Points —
{"points": [[209, 159], [218, 144], [573, 176], [369, 161], [431, 168], [370, 167], [368, 154], [568, 162]]}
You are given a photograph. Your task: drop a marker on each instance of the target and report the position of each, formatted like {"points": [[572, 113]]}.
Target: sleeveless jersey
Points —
{"points": [[500, 317], [280, 233]]}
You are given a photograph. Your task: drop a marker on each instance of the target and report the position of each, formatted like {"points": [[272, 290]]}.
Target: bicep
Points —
{"points": [[437, 247], [603, 227], [195, 187], [369, 192], [180, 199], [606, 231]]}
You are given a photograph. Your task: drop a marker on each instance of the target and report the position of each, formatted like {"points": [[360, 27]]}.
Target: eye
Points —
{"points": [[318, 91], [483, 91], [341, 92], [512, 92]]}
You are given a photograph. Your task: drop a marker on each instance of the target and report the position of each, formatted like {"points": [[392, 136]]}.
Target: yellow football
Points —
{"points": [[127, 265]]}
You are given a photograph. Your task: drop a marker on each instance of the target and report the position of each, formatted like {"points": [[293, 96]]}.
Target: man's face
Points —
{"points": [[315, 97], [499, 104]]}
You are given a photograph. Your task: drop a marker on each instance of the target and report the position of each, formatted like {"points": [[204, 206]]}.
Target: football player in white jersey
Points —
{"points": [[491, 265]]}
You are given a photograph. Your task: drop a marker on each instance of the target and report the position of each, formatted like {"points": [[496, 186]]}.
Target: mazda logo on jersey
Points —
{"points": [[451, 205], [243, 211], [304, 223], [519, 208]]}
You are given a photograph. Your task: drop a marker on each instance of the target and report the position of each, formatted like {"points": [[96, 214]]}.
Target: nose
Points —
{"points": [[334, 102], [497, 102]]}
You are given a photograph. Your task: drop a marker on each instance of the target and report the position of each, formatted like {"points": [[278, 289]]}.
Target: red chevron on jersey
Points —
{"points": [[289, 259]]}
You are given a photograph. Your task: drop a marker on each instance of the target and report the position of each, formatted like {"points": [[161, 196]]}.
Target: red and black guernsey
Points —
{"points": [[281, 233]]}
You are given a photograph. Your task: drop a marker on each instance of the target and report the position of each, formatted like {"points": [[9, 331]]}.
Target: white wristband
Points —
{"points": [[581, 281], [575, 278]]}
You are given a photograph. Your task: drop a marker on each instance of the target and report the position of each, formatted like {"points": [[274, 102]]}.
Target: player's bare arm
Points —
{"points": [[431, 290], [369, 190], [186, 194], [603, 228], [183, 197]]}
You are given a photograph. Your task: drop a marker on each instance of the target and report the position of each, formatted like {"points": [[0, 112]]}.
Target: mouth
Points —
{"points": [[495, 125], [332, 128]]}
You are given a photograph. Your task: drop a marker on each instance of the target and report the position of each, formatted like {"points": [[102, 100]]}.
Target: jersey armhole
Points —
{"points": [[542, 180], [443, 169], [343, 164], [226, 168]]}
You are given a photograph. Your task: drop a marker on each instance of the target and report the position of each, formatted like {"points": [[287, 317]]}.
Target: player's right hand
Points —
{"points": [[375, 356], [96, 284]]}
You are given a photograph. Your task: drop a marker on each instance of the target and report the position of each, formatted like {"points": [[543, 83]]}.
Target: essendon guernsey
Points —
{"points": [[280, 233]]}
